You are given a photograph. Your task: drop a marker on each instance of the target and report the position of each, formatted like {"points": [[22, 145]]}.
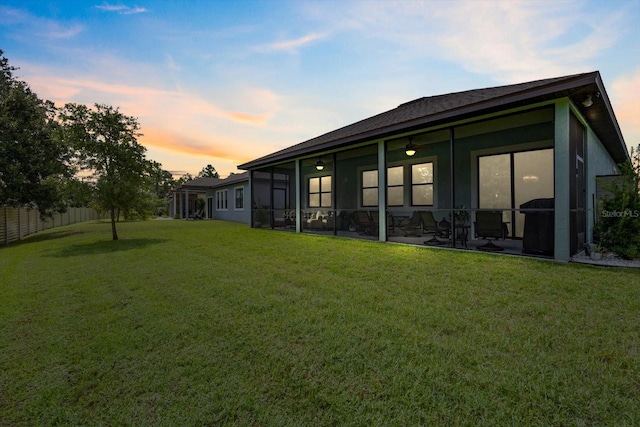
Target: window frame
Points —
{"points": [[320, 191], [363, 188], [222, 200], [235, 203], [402, 167], [425, 184]]}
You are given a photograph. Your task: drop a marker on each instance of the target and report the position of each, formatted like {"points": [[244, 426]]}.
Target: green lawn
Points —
{"points": [[212, 323]]}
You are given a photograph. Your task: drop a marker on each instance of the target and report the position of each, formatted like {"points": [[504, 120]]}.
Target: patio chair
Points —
{"points": [[414, 226], [430, 226], [489, 225], [375, 222], [362, 221]]}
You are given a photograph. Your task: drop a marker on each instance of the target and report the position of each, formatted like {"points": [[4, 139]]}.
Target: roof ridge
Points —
{"points": [[451, 94]]}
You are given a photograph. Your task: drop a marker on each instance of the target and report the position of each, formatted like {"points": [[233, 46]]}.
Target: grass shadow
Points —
{"points": [[106, 246], [43, 237]]}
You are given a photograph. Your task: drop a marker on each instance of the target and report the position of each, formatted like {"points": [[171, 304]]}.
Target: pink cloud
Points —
{"points": [[624, 97]]}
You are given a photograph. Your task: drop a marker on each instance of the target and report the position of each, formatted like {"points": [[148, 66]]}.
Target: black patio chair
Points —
{"points": [[362, 221], [489, 225], [414, 226], [431, 226]]}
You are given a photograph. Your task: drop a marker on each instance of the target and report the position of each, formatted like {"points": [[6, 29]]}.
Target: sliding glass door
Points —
{"points": [[509, 180]]}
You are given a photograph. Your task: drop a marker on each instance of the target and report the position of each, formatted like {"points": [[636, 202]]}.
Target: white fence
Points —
{"points": [[17, 223]]}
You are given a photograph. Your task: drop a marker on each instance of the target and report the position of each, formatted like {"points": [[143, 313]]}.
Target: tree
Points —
{"points": [[161, 182], [183, 179], [105, 142], [208, 172], [162, 179], [32, 163]]}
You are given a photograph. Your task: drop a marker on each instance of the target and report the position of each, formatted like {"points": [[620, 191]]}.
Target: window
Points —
{"points": [[395, 186], [395, 190], [239, 198], [221, 200], [320, 192], [370, 188], [422, 184]]}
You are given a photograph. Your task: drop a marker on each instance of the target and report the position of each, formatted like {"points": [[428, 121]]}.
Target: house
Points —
{"points": [[224, 198], [526, 154], [227, 199], [183, 199]]}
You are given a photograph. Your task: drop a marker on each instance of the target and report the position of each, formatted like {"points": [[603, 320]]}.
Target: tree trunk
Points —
{"points": [[114, 233]]}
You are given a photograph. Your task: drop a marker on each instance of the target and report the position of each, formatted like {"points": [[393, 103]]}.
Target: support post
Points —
{"points": [[298, 196], [562, 174], [382, 191]]}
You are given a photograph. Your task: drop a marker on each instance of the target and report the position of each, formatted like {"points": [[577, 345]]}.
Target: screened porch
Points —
{"points": [[486, 185]]}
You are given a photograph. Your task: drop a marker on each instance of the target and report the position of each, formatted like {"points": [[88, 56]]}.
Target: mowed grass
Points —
{"points": [[213, 323]]}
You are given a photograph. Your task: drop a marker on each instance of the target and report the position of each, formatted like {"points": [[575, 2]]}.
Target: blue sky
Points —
{"points": [[224, 82]]}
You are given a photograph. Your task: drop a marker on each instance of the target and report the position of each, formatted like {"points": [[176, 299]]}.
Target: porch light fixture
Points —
{"points": [[588, 101], [319, 165], [410, 149]]}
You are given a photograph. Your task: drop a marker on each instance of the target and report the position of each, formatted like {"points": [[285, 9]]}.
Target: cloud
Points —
{"points": [[511, 41], [121, 9], [176, 124], [171, 140], [518, 41], [145, 100], [37, 27], [624, 98], [171, 63], [291, 46]]}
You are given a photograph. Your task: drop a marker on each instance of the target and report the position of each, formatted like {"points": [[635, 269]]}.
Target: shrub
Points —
{"points": [[618, 225]]}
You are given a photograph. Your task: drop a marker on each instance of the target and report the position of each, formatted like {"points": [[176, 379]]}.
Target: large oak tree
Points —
{"points": [[33, 165]]}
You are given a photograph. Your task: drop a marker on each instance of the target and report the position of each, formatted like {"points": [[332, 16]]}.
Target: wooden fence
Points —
{"points": [[17, 223]]}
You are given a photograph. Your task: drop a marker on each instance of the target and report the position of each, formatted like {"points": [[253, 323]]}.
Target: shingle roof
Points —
{"points": [[232, 179], [440, 109], [207, 183], [200, 183]]}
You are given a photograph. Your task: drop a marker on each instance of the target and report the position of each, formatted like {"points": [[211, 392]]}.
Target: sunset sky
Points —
{"points": [[225, 82]]}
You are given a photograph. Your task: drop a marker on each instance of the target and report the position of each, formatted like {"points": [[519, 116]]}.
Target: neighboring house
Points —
{"points": [[183, 199], [228, 199], [224, 198], [530, 151]]}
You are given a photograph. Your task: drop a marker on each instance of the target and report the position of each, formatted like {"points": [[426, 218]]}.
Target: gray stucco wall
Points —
{"points": [[231, 213]]}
